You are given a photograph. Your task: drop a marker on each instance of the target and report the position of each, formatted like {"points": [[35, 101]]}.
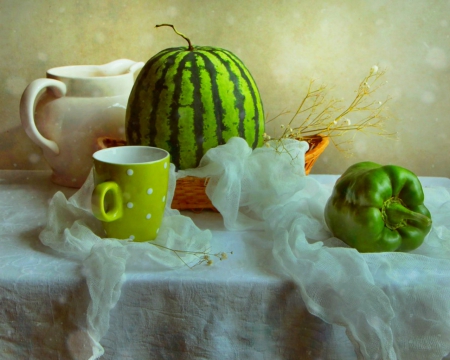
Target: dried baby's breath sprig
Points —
{"points": [[319, 114], [201, 257]]}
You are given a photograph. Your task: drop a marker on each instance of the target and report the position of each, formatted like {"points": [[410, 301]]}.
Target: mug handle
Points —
{"points": [[98, 201], [28, 104]]}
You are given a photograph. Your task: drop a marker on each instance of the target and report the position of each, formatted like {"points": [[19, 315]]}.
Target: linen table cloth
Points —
{"points": [[239, 308], [245, 307]]}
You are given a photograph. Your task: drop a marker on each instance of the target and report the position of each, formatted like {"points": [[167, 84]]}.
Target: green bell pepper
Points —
{"points": [[376, 208]]}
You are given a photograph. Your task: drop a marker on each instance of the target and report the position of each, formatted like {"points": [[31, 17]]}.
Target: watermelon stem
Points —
{"points": [[190, 48]]}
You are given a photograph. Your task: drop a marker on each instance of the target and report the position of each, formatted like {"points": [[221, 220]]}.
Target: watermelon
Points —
{"points": [[188, 100]]}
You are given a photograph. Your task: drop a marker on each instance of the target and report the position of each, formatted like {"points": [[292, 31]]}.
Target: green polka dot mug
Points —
{"points": [[130, 191]]}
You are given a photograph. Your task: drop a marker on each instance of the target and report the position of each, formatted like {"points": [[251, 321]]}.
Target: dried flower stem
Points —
{"points": [[317, 114], [204, 257]]}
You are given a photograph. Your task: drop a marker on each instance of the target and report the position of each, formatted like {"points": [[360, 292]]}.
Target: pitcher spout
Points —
{"points": [[121, 66]]}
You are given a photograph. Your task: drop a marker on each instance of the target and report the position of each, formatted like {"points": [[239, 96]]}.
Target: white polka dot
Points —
{"points": [[164, 198], [131, 237], [148, 216], [129, 172], [150, 191], [130, 205]]}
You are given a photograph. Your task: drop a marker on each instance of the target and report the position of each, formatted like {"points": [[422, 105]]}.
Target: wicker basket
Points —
{"points": [[190, 191], [317, 145]]}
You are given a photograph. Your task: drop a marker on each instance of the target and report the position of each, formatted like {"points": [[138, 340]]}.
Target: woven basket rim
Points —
{"points": [[190, 190], [104, 141], [313, 153], [318, 148]]}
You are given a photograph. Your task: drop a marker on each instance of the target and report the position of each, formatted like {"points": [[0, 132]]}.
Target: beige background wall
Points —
{"points": [[283, 43]]}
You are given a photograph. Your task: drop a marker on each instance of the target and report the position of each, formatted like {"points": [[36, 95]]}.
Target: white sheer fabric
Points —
{"points": [[73, 230], [393, 305]]}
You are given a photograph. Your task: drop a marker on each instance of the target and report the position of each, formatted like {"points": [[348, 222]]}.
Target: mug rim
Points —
{"points": [[97, 155]]}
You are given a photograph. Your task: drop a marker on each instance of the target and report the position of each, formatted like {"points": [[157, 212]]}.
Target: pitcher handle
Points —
{"points": [[28, 104]]}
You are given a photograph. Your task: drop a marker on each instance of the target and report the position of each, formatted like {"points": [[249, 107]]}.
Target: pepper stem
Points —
{"points": [[190, 48], [395, 214]]}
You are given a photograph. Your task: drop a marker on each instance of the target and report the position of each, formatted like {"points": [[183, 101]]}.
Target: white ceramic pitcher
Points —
{"points": [[80, 104]]}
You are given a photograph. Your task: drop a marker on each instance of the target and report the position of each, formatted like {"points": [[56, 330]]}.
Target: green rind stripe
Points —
{"points": [[171, 140], [163, 121], [213, 105], [239, 96], [138, 112], [207, 134], [151, 126], [258, 123], [202, 115], [186, 115], [244, 98], [230, 116]]}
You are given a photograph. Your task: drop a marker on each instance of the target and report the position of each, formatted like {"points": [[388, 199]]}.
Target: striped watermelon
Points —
{"points": [[187, 100]]}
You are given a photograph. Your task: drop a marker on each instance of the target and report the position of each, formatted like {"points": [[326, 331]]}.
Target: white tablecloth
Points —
{"points": [[239, 308]]}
